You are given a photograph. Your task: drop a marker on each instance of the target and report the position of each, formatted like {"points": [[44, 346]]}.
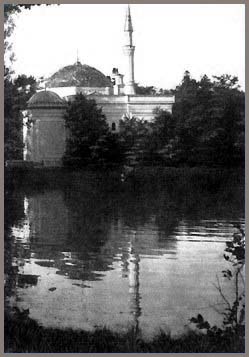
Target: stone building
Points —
{"points": [[45, 136]]}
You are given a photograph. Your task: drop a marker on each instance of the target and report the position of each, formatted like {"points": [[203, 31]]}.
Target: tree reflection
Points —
{"points": [[85, 225]]}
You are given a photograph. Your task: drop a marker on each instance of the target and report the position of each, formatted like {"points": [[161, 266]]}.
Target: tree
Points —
{"points": [[108, 150], [145, 90], [9, 25], [134, 133], [10, 10], [161, 140], [185, 100], [230, 102], [235, 254], [151, 90], [209, 118], [16, 94], [233, 330], [87, 127]]}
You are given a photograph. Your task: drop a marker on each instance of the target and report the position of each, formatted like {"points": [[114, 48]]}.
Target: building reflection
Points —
{"points": [[81, 239], [81, 235], [84, 231], [134, 283]]}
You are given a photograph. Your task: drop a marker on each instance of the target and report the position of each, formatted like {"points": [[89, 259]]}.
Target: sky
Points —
{"points": [[169, 39]]}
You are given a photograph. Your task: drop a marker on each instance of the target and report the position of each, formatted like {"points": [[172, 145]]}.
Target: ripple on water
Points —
{"points": [[81, 265]]}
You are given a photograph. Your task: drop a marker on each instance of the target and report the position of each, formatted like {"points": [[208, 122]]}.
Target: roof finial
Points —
{"points": [[77, 59]]}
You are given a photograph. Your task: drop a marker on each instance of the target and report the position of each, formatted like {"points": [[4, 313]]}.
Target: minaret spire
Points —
{"points": [[129, 52], [128, 22]]}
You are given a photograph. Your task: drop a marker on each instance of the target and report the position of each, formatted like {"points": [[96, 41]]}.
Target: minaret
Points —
{"points": [[129, 52]]}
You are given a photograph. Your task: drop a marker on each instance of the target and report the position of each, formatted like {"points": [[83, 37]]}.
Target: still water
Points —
{"points": [[86, 253]]}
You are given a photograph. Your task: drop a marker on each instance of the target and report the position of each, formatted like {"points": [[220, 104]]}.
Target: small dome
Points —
{"points": [[46, 99], [78, 75]]}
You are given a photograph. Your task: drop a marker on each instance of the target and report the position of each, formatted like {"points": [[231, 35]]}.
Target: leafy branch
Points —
{"points": [[234, 314]]}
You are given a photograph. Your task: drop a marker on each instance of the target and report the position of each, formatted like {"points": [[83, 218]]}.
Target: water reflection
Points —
{"points": [[81, 257], [133, 274]]}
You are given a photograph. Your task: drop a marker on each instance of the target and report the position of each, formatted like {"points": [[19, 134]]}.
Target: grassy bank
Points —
{"points": [[24, 335]]}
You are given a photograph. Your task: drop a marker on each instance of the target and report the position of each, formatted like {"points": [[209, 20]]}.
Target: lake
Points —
{"points": [[84, 250]]}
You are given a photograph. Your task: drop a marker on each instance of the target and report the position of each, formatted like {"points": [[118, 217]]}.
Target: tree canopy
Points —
{"points": [[206, 126], [209, 117], [89, 139], [16, 95]]}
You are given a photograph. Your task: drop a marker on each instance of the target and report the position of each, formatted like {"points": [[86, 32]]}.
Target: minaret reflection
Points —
{"points": [[133, 278]]}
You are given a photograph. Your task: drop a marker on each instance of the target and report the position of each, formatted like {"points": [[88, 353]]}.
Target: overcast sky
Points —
{"points": [[169, 39]]}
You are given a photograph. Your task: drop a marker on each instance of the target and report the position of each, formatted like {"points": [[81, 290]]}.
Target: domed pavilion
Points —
{"points": [[44, 130]]}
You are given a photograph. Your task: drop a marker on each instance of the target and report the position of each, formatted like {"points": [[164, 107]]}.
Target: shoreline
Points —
{"points": [[23, 334]]}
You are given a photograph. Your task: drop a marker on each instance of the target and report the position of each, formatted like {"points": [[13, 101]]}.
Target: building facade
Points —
{"points": [[45, 135]]}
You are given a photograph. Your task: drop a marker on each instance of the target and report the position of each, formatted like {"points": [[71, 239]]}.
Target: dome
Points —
{"points": [[46, 99], [78, 75]]}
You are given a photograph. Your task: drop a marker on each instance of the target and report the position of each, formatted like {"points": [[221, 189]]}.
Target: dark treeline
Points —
{"points": [[209, 122], [206, 128]]}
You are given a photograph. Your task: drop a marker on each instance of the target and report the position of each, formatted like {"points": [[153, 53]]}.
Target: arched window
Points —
{"points": [[113, 126]]}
